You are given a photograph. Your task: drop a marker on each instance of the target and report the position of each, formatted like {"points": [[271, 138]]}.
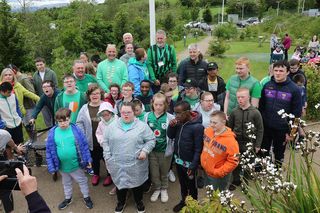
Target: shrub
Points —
{"points": [[225, 31], [313, 90], [217, 47]]}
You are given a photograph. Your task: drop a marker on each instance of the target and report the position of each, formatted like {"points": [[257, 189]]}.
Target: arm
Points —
{"points": [[100, 78], [18, 108], [150, 63], [28, 85], [255, 102], [106, 145], [181, 71], [99, 133], [258, 123], [49, 150], [124, 74], [55, 79], [231, 121], [198, 144], [256, 94], [173, 60], [80, 119], [38, 107], [149, 139], [226, 102], [27, 93], [135, 79], [84, 147], [171, 131], [36, 204]]}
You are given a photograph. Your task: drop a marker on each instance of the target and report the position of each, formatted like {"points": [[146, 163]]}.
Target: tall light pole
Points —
{"points": [[222, 12], [278, 2], [152, 15]]}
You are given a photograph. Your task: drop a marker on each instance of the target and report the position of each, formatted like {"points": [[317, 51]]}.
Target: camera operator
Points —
{"points": [[6, 147]]}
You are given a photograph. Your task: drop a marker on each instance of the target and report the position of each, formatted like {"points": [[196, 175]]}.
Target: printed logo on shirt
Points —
{"points": [[164, 125], [73, 106], [157, 133]]}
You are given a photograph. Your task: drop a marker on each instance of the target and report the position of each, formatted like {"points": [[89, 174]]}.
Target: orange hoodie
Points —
{"points": [[220, 154]]}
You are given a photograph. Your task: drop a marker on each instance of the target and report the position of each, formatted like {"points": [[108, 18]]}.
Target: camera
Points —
{"points": [[8, 167]]}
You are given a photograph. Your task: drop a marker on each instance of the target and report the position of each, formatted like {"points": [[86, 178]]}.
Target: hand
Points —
{"points": [[20, 149], [2, 177], [156, 82], [89, 165], [142, 155], [27, 183], [257, 149], [32, 121], [288, 138], [173, 122]]}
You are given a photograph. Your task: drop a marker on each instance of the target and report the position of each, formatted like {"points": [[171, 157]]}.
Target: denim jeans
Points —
{"points": [[218, 183]]}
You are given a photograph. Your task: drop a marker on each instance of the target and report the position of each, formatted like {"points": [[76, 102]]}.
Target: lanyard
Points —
{"points": [[160, 56]]}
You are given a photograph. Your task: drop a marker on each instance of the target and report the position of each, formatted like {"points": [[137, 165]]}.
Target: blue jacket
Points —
{"points": [[137, 72], [277, 96], [82, 146], [188, 140]]}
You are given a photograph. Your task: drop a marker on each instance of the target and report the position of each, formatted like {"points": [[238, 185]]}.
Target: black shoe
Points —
{"points": [[65, 203], [88, 202], [232, 187], [140, 207], [120, 207], [179, 206], [55, 176]]}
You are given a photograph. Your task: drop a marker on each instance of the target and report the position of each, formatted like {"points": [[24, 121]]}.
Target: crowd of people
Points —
{"points": [[143, 115]]}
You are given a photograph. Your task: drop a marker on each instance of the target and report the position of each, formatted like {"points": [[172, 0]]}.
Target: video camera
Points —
{"points": [[7, 167]]}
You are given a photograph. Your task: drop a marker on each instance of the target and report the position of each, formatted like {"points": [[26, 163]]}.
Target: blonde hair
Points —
{"points": [[4, 71], [160, 96]]}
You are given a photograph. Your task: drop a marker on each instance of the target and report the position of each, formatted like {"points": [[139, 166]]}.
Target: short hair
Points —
{"points": [[114, 85], [243, 61], [14, 68], [185, 105], [68, 76], [204, 94], [6, 86], [128, 84], [63, 114], [96, 58], [111, 46], [299, 78], [160, 96], [162, 32], [127, 34], [137, 102], [84, 53], [294, 62], [282, 63], [219, 114], [193, 46], [51, 83], [173, 75], [129, 104], [39, 59], [92, 87], [77, 61], [145, 81], [243, 89], [164, 88], [140, 52]]}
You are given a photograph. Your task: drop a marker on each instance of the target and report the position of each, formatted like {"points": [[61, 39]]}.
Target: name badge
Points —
{"points": [[160, 63]]}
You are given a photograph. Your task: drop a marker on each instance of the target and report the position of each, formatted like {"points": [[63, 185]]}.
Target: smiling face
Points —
{"points": [[173, 83], [111, 52], [95, 96], [127, 39], [194, 54], [145, 88], [40, 66], [191, 92], [127, 114], [129, 49], [79, 70], [114, 91], [8, 76], [47, 89]]}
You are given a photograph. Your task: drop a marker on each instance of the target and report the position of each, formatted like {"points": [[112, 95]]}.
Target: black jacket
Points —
{"points": [[36, 203], [218, 95], [189, 69], [188, 140]]}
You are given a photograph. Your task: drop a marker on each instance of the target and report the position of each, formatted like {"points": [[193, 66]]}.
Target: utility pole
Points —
{"points": [[152, 15], [222, 12]]}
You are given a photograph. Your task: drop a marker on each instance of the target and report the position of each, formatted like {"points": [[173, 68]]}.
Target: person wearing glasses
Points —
{"points": [[126, 156], [173, 84], [190, 93], [70, 98]]}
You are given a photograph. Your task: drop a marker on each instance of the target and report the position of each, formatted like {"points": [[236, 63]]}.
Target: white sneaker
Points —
{"points": [[155, 195], [164, 196], [171, 176]]}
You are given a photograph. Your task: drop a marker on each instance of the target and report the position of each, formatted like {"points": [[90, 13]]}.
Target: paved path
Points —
{"points": [[203, 45]]}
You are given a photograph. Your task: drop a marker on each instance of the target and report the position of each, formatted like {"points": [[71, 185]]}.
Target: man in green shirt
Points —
{"points": [[111, 70], [83, 80], [241, 79]]}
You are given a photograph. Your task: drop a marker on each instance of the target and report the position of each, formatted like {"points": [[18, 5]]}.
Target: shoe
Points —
{"points": [[88, 202], [65, 204], [232, 187], [179, 206], [107, 181], [155, 195], [171, 176], [164, 195], [95, 180], [55, 176], [140, 207], [119, 208], [90, 171], [113, 191]]}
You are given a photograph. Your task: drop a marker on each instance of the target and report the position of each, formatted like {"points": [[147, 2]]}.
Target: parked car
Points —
{"points": [[249, 21], [205, 27], [192, 24], [252, 20], [242, 24]]}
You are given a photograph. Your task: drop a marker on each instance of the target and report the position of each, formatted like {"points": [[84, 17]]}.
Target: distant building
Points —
{"points": [[233, 18], [311, 12]]}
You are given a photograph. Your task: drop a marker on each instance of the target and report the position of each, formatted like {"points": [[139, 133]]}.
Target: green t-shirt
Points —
{"points": [[265, 80], [159, 128], [66, 149], [83, 84], [126, 126], [141, 116], [192, 101], [72, 102]]}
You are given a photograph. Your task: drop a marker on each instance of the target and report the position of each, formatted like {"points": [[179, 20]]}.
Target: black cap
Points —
{"points": [[212, 66], [190, 83]]}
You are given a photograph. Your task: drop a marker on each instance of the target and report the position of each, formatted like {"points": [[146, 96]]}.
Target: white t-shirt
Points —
{"points": [[42, 75], [206, 115], [4, 138]]}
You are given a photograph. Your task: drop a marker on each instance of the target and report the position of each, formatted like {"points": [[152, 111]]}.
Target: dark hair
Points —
{"points": [[172, 75], [114, 85], [164, 88], [39, 59], [96, 58], [48, 82], [129, 104], [137, 102], [84, 53], [282, 63], [299, 78], [185, 105], [90, 69], [93, 87], [294, 62], [145, 81], [14, 68], [139, 53], [69, 76], [63, 114], [6, 86], [220, 114]]}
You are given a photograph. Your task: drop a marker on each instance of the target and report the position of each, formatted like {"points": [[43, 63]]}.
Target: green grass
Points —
{"points": [[178, 45], [238, 47]]}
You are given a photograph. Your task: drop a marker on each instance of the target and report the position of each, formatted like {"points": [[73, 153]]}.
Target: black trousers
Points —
{"points": [[277, 138], [187, 186], [97, 156], [6, 195], [137, 194], [285, 54], [16, 134]]}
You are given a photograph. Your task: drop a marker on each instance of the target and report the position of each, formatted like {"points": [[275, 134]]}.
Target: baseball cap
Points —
{"points": [[190, 83], [212, 66]]}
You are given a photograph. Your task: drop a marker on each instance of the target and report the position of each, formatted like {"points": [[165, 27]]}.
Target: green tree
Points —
{"points": [[168, 22], [194, 13], [121, 25], [187, 3], [12, 43], [207, 17]]}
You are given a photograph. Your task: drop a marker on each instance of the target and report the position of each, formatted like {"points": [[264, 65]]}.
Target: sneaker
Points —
{"points": [[65, 204], [155, 195], [88, 202], [95, 180], [119, 208], [164, 196], [90, 171], [179, 206], [113, 191], [140, 207], [171, 176], [107, 181], [55, 176]]}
